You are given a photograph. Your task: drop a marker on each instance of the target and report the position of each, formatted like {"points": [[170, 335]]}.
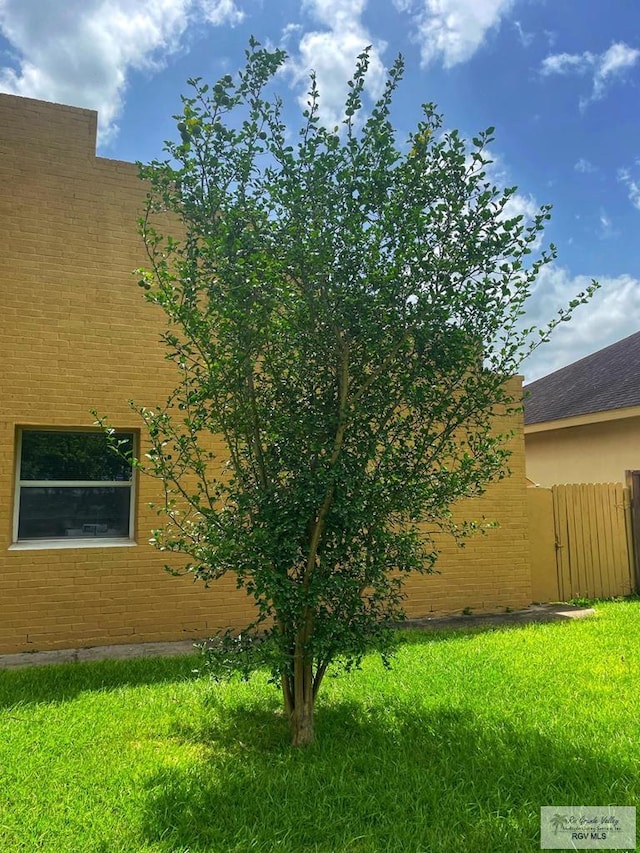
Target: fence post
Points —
{"points": [[633, 482]]}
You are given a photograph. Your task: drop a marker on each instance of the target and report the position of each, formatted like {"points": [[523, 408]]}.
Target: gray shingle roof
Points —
{"points": [[607, 379]]}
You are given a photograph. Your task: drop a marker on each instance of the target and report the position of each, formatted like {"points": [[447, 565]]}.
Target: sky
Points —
{"points": [[558, 79]]}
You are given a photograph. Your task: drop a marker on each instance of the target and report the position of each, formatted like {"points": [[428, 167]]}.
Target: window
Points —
{"points": [[71, 485]]}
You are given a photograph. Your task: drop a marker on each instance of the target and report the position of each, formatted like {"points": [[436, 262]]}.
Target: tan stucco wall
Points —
{"points": [[76, 334], [591, 453]]}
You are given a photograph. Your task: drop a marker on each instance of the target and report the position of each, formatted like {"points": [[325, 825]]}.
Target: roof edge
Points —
{"points": [[583, 420]]}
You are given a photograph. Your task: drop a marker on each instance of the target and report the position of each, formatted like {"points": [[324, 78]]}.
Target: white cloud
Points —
{"points": [[520, 204], [632, 185], [611, 315], [566, 63], [585, 166], [337, 14], [605, 67], [332, 54], [606, 224], [289, 32], [80, 52], [453, 30], [525, 38], [613, 63], [219, 12]]}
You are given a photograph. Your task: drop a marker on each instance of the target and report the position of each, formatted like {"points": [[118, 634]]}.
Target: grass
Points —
{"points": [[455, 749]]}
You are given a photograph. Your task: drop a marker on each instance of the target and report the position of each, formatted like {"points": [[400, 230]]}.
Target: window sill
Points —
{"points": [[57, 544]]}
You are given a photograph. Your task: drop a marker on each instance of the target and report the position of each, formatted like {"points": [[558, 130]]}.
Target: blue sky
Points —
{"points": [[559, 79]]}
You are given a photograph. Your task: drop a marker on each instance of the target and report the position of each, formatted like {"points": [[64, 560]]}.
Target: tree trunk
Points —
{"points": [[299, 699], [301, 724]]}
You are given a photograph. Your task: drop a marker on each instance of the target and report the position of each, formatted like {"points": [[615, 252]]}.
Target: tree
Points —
{"points": [[344, 311]]}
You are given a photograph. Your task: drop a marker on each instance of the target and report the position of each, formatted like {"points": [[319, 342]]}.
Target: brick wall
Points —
{"points": [[493, 570], [76, 334]]}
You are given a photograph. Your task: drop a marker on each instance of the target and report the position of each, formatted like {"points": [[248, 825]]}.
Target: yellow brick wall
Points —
{"points": [[76, 334], [493, 570]]}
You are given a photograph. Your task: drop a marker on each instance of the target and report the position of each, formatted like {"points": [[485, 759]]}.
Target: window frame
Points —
{"points": [[78, 541]]}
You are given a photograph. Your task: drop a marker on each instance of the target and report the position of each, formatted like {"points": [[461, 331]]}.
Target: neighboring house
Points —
{"points": [[582, 423], [76, 567]]}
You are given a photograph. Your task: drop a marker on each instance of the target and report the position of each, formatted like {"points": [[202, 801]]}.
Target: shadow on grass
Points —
{"points": [[414, 632], [63, 682], [378, 778]]}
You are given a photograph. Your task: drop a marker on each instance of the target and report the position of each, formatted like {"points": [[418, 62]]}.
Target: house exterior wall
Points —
{"points": [[493, 570], [587, 453], [76, 334]]}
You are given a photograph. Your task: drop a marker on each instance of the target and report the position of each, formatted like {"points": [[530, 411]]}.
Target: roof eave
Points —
{"points": [[582, 420]]}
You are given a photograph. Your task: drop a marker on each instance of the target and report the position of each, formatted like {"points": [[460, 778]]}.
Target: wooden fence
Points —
{"points": [[582, 541]]}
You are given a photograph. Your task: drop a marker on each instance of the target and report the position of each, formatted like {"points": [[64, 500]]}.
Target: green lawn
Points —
{"points": [[454, 749]]}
